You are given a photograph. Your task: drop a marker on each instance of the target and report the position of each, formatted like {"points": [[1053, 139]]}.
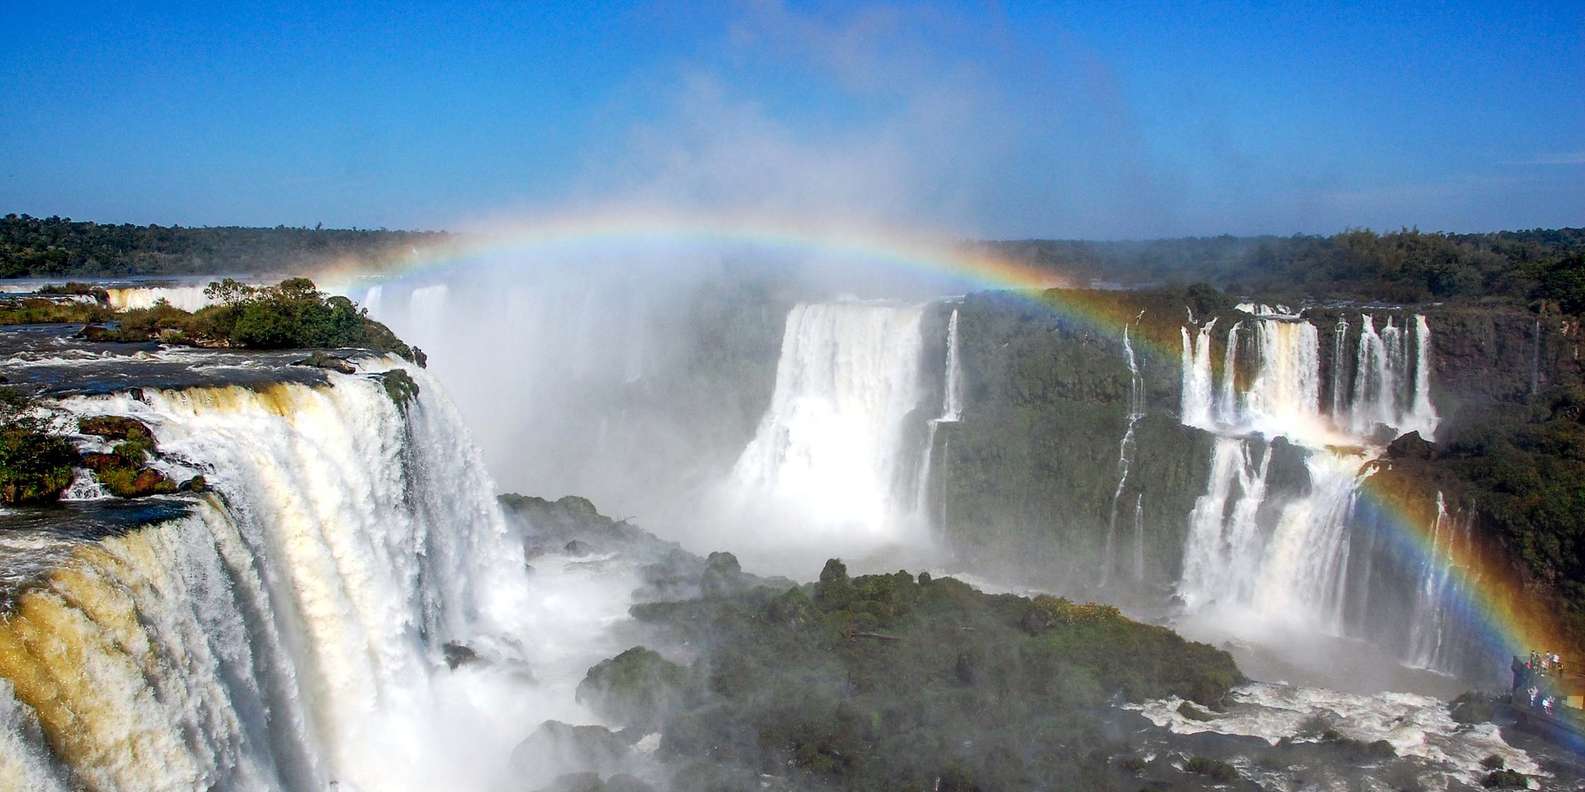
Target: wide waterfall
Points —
{"points": [[1301, 558], [288, 633], [187, 298], [833, 446]]}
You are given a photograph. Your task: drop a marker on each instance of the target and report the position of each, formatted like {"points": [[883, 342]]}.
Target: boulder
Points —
{"points": [[1411, 446], [636, 688], [722, 575], [114, 427], [327, 361], [557, 744], [458, 654], [194, 484], [578, 548]]}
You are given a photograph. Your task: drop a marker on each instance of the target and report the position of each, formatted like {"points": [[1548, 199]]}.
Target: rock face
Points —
{"points": [[637, 687]]}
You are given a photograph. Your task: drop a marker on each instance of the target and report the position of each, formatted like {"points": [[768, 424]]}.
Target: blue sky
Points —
{"points": [[1098, 120]]}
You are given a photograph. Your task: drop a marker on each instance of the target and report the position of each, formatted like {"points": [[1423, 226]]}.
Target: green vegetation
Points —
{"points": [[35, 463], [1521, 467], [897, 682], [293, 314], [55, 246], [46, 311], [123, 471], [1403, 266]]}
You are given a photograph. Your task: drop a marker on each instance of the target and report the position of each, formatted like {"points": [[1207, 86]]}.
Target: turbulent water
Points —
{"points": [[288, 633]]}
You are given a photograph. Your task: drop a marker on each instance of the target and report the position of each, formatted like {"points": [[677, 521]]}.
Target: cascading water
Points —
{"points": [[1296, 561], [187, 298], [1125, 451], [951, 412], [832, 445], [288, 633], [1197, 394]]}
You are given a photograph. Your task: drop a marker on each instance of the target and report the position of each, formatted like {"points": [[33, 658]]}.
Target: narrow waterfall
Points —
{"points": [[1197, 393], [952, 389], [1340, 392], [288, 633], [951, 412], [1139, 538], [1422, 415], [832, 446], [1125, 452], [1228, 406]]}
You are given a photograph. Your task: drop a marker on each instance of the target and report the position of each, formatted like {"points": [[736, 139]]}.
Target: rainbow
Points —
{"points": [[1493, 597]]}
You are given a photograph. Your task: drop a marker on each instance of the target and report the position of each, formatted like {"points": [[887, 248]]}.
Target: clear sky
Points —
{"points": [[1098, 120]]}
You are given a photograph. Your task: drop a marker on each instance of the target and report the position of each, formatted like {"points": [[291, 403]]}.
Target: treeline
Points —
{"points": [[58, 246], [1402, 266]]}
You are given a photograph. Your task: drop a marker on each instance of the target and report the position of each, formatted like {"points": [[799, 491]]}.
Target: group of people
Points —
{"points": [[1537, 678], [1545, 664]]}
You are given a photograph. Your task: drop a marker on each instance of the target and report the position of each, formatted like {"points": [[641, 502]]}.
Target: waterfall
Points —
{"points": [[1339, 379], [1197, 396], [1422, 415], [1139, 538], [951, 412], [1228, 411], [1284, 395], [952, 389], [187, 298], [288, 632], [832, 445], [1125, 450], [1312, 560], [1222, 556]]}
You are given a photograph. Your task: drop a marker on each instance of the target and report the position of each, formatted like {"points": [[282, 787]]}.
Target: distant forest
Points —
{"points": [[1402, 266], [42, 247]]}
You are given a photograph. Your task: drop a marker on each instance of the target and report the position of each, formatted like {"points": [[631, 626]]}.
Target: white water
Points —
{"points": [[187, 298], [1283, 567], [290, 635], [1418, 726], [951, 412], [830, 450], [1197, 394]]}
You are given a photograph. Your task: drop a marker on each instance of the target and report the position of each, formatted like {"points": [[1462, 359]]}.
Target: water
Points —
{"points": [[287, 635], [1125, 451], [187, 298], [1305, 562], [832, 450], [1197, 394]]}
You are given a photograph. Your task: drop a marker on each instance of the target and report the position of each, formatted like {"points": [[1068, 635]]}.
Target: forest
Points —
{"points": [[1404, 266], [40, 247]]}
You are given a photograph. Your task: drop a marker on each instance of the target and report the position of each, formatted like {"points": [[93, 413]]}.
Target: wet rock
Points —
{"points": [[722, 575], [1505, 779], [637, 687], [1037, 620], [327, 361], [114, 427], [1194, 713], [1472, 707], [557, 744], [458, 654], [194, 484], [578, 548], [1411, 446]]}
